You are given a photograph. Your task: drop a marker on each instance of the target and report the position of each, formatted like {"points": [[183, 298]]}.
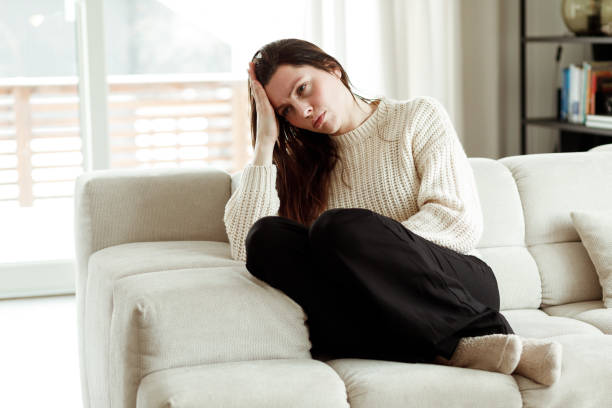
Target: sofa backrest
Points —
{"points": [[601, 148], [550, 186], [502, 245], [528, 238]]}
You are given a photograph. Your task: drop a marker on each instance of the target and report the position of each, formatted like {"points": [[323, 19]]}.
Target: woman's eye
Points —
{"points": [[299, 92]]}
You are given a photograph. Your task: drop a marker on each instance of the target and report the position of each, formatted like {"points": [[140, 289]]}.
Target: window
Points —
{"points": [[40, 145], [177, 97], [177, 81]]}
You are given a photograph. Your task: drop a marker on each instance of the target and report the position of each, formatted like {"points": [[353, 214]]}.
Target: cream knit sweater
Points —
{"points": [[420, 177]]}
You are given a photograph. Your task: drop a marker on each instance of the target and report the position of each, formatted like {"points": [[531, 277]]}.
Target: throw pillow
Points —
{"points": [[595, 230]]}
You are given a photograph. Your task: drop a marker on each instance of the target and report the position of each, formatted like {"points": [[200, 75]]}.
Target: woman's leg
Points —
{"points": [[278, 253], [340, 320], [425, 296]]}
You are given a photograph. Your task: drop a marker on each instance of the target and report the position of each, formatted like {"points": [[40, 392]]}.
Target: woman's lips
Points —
{"points": [[319, 120]]}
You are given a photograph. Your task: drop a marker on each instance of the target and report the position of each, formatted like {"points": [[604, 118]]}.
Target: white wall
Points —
{"points": [[480, 36], [510, 81]]}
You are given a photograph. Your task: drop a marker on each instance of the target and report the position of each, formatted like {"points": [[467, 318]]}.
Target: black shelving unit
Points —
{"points": [[550, 122]]}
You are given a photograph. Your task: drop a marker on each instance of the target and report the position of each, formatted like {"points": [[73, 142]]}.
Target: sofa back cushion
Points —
{"points": [[502, 245], [550, 186]]}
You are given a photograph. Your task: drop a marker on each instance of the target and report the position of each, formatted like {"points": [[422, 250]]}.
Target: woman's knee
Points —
{"points": [[337, 225], [263, 232]]}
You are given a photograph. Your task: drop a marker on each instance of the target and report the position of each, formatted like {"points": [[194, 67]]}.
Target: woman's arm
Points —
{"points": [[255, 198], [449, 213]]}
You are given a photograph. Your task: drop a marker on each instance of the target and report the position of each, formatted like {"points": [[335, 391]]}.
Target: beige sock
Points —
{"points": [[494, 352], [540, 360]]}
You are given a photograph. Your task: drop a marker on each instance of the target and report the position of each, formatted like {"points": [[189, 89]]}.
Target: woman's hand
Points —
{"points": [[267, 123]]}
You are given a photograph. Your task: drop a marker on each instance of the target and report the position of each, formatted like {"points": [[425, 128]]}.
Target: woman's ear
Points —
{"points": [[337, 72]]}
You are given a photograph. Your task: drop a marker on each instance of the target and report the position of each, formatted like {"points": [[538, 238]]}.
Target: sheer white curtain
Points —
{"points": [[395, 48], [420, 50]]}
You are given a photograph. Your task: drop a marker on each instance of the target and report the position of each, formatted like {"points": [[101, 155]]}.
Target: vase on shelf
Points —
{"points": [[606, 17], [587, 17]]}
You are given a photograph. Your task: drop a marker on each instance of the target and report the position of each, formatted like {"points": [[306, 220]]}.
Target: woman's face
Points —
{"points": [[303, 94]]}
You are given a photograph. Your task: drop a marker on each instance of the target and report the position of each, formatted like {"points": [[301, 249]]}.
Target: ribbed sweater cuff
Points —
{"points": [[258, 178]]}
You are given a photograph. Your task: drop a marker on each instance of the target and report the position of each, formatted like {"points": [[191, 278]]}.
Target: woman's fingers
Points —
{"points": [[259, 93], [249, 71], [253, 82], [267, 123]]}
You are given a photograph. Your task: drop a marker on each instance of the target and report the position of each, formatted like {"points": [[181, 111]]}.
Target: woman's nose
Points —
{"points": [[307, 110]]}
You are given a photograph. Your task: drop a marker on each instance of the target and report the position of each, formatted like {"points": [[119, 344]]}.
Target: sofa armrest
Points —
{"points": [[140, 205], [113, 207], [189, 317]]}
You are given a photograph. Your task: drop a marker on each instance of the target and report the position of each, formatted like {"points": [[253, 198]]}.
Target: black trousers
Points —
{"points": [[371, 288]]}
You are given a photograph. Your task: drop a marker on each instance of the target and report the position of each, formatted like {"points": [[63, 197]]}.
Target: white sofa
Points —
{"points": [[167, 319]]}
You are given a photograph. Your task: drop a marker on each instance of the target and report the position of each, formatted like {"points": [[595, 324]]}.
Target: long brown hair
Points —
{"points": [[304, 159]]}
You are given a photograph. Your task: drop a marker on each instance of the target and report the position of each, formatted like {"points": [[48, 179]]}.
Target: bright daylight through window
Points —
{"points": [[177, 97]]}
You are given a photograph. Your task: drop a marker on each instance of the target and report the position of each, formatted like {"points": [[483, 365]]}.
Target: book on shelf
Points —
{"points": [[598, 125], [586, 90], [564, 93], [599, 121], [573, 94], [600, 118]]}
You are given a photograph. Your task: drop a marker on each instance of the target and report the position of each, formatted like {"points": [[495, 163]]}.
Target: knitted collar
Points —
{"points": [[368, 128]]}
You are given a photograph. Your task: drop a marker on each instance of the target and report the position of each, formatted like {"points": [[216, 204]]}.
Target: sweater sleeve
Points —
{"points": [[449, 213], [256, 197]]}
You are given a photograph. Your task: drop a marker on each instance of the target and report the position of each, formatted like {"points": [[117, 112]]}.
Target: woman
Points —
{"points": [[365, 211]]}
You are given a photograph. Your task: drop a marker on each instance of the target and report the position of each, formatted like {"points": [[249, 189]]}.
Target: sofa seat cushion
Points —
{"points": [[255, 384], [138, 257], [586, 375], [536, 323], [115, 262], [592, 312], [390, 384]]}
